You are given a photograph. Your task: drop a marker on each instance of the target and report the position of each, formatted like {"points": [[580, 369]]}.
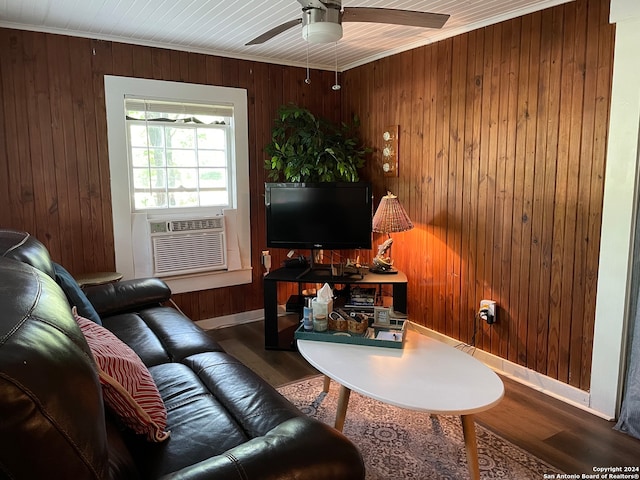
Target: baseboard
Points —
{"points": [[230, 320], [537, 381], [235, 319]]}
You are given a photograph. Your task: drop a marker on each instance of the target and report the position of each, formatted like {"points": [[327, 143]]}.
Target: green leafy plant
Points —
{"points": [[305, 148]]}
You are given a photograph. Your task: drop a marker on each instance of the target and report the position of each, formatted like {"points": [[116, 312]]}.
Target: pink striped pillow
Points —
{"points": [[127, 386]]}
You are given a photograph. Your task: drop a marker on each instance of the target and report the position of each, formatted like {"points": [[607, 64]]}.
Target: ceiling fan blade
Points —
{"points": [[395, 17], [274, 31]]}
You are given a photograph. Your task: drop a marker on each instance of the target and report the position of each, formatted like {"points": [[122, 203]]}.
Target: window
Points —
{"points": [[179, 154], [178, 151]]}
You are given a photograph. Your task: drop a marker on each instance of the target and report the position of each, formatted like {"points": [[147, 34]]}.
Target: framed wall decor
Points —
{"points": [[390, 162]]}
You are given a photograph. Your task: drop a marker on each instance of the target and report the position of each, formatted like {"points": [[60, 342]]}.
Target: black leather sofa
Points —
{"points": [[226, 422]]}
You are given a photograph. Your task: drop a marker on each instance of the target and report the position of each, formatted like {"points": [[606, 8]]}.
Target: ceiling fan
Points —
{"points": [[322, 20]]}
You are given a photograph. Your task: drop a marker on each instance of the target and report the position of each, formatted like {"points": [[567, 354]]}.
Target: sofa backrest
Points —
{"points": [[25, 248], [52, 421]]}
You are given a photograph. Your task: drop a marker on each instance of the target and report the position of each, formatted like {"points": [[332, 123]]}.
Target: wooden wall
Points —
{"points": [[502, 151], [54, 164]]}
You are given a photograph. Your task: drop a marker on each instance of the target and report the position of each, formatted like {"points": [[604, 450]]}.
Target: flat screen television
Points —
{"points": [[330, 216]]}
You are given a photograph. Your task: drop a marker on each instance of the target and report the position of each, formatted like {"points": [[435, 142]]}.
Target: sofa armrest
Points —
{"points": [[298, 448], [127, 295]]}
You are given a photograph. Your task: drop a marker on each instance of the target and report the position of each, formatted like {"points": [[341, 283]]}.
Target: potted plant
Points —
{"points": [[305, 148]]}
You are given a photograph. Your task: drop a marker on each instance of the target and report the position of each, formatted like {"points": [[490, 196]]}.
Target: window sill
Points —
{"points": [[208, 280]]}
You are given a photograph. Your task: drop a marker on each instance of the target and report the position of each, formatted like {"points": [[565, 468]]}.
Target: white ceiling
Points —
{"points": [[222, 27]]}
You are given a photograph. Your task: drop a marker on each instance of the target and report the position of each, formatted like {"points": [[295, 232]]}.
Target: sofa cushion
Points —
{"points": [[211, 385], [201, 426], [254, 403], [128, 388], [160, 334], [25, 248], [74, 294], [132, 330]]}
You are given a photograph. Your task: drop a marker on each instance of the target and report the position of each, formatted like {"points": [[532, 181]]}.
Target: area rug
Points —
{"points": [[400, 444]]}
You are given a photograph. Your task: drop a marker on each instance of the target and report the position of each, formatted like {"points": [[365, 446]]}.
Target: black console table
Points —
{"points": [[274, 340]]}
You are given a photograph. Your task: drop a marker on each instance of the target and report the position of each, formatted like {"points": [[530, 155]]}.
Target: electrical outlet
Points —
{"points": [[488, 311]]}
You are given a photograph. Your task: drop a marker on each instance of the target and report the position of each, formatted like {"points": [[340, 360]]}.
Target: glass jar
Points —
{"points": [[320, 323]]}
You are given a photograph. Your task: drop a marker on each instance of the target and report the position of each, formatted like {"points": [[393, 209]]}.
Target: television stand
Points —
{"points": [[275, 339]]}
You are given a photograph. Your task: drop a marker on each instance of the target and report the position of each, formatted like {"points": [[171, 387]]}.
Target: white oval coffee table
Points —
{"points": [[426, 375]]}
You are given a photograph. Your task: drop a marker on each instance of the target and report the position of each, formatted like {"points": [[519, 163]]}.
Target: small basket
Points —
{"points": [[337, 322], [357, 325]]}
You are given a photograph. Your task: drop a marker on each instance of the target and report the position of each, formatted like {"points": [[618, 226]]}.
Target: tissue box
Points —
{"points": [[321, 308]]}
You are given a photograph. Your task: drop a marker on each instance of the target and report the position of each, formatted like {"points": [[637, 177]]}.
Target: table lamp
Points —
{"points": [[389, 217]]}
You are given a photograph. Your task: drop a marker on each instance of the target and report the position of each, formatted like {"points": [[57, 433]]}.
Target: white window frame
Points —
{"points": [[116, 90]]}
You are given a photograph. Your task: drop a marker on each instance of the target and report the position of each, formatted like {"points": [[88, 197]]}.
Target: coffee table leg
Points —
{"points": [[325, 385], [469, 432], [343, 402]]}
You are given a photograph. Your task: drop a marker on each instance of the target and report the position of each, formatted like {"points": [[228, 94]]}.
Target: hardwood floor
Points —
{"points": [[568, 438]]}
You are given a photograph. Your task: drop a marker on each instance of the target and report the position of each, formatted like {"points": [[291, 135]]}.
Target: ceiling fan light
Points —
{"points": [[324, 32]]}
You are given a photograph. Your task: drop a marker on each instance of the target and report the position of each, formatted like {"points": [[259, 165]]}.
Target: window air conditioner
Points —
{"points": [[184, 246]]}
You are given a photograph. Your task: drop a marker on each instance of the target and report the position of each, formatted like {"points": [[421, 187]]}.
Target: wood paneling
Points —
{"points": [[503, 134], [502, 150], [54, 170]]}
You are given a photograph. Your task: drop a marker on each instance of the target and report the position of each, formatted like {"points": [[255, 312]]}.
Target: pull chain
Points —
{"points": [[336, 86], [307, 80]]}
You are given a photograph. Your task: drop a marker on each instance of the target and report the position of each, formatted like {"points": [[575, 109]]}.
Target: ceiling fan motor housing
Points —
{"points": [[322, 25]]}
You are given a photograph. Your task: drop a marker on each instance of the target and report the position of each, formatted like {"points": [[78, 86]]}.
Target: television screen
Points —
{"points": [[331, 216]]}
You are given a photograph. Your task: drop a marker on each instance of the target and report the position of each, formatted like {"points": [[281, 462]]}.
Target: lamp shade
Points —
{"points": [[390, 216]]}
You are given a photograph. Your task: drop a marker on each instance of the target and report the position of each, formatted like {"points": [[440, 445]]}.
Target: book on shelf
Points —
{"points": [[362, 296]]}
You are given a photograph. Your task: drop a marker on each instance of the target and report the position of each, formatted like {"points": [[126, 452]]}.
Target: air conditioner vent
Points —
{"points": [[196, 224]]}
